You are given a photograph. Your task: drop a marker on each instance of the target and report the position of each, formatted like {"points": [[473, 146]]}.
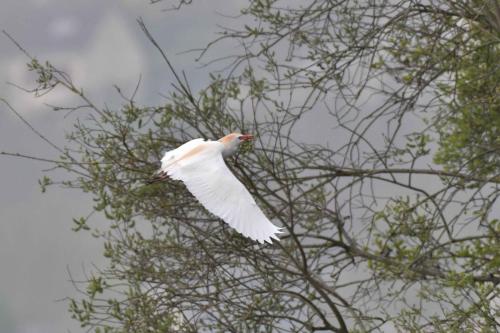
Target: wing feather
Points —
{"points": [[172, 155], [207, 177]]}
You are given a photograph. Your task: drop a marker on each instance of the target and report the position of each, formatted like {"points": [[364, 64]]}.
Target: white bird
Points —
{"points": [[200, 165]]}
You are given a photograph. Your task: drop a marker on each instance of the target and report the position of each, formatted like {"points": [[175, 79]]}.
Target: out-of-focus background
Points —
{"points": [[99, 44]]}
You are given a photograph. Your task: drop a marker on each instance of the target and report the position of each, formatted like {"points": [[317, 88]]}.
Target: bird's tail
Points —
{"points": [[158, 176]]}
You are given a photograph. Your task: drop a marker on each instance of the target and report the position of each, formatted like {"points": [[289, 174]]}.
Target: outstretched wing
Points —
{"points": [[207, 177]]}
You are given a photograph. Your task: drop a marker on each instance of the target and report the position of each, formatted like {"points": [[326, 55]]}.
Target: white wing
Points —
{"points": [[180, 151], [207, 177]]}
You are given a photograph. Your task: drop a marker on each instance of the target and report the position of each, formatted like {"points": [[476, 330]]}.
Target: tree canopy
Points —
{"points": [[377, 126]]}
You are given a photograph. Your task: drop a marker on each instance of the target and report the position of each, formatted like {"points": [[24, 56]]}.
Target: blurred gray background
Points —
{"points": [[99, 44]]}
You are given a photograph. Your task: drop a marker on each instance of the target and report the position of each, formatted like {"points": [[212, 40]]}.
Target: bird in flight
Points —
{"points": [[200, 165]]}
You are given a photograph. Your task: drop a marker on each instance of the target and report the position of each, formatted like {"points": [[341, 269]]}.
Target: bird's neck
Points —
{"points": [[229, 150]]}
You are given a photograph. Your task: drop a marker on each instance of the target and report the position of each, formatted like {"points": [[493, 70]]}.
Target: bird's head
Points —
{"points": [[232, 141]]}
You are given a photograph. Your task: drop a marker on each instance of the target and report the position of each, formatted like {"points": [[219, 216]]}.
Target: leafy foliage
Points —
{"points": [[375, 234], [470, 134]]}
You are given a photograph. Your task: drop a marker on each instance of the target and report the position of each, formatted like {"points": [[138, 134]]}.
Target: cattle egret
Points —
{"points": [[199, 164]]}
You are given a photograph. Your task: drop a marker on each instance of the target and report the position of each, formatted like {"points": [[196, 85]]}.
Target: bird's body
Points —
{"points": [[199, 164]]}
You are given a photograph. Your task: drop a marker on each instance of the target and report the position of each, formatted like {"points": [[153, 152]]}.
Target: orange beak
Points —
{"points": [[246, 137]]}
